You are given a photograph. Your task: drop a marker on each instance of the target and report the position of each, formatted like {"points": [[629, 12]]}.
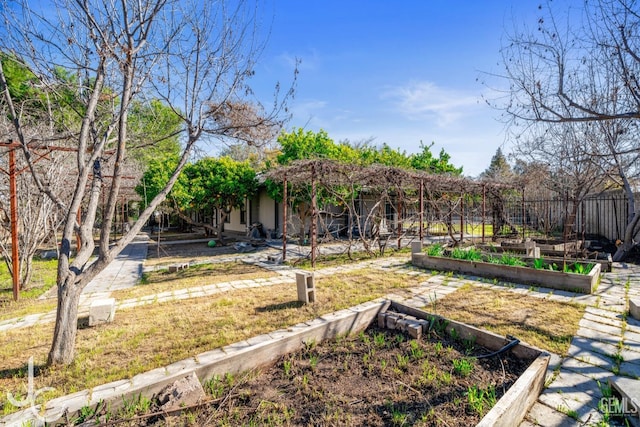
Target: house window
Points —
{"points": [[243, 214]]}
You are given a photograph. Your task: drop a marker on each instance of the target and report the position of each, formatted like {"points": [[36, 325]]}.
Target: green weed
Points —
{"points": [[463, 367]]}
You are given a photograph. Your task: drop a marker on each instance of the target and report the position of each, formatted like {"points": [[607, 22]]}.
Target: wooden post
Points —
{"points": [[399, 222], [461, 218], [14, 224], [421, 215], [284, 219], [314, 216], [523, 214], [484, 208]]}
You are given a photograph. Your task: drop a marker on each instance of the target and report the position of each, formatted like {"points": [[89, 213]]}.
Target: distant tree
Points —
{"points": [[499, 168], [425, 161]]}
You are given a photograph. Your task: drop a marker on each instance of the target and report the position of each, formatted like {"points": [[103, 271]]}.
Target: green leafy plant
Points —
{"points": [[416, 350], [286, 366], [403, 361], [398, 417], [463, 367], [435, 250], [481, 400], [511, 260], [380, 340], [578, 268], [471, 254], [214, 386], [313, 361], [137, 405], [539, 264]]}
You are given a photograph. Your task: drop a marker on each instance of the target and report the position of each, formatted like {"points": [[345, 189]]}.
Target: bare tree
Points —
{"points": [[38, 219], [573, 171], [195, 56], [581, 65]]}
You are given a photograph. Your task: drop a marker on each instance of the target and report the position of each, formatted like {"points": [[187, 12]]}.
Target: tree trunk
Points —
{"points": [[630, 231], [27, 264], [64, 336]]}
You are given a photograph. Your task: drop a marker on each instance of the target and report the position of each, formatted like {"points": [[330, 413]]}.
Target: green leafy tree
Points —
{"points": [[214, 183], [425, 161]]}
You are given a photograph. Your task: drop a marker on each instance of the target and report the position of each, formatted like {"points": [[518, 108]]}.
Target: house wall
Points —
{"points": [[234, 223]]}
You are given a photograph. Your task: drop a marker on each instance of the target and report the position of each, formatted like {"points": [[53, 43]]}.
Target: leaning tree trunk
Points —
{"points": [[633, 223], [628, 243], [63, 347]]}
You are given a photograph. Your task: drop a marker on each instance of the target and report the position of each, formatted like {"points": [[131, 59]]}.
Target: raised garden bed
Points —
{"points": [[554, 253], [386, 378], [543, 276]]}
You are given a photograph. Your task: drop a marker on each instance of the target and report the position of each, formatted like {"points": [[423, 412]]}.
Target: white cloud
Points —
{"points": [[426, 100]]}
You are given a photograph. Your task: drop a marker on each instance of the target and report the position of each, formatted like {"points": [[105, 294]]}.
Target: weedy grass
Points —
{"points": [[549, 325], [195, 276]]}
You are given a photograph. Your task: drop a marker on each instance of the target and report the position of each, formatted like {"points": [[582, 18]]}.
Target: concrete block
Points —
{"points": [[178, 266], [416, 247], [306, 287], [634, 308], [102, 311], [382, 319], [186, 391]]}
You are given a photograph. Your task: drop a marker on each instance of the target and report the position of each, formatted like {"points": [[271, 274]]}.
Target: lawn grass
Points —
{"points": [[154, 282], [155, 335], [332, 260], [545, 324], [44, 278]]}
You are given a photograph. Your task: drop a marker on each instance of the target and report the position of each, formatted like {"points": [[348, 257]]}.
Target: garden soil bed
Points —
{"points": [[377, 378]]}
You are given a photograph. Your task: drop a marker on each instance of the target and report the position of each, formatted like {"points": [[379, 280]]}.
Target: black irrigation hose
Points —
{"points": [[514, 342]]}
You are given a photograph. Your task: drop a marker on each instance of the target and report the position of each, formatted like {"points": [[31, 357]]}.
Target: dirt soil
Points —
{"points": [[378, 378]]}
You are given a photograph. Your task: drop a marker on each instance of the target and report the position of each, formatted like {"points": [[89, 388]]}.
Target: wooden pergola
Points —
{"points": [[322, 173]]}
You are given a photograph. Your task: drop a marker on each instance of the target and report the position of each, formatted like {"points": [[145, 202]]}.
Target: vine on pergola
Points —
{"points": [[364, 193]]}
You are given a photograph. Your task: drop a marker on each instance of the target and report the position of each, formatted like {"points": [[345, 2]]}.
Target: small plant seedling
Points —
{"points": [[313, 361], [437, 348], [480, 400], [398, 418], [380, 340], [286, 366], [463, 367], [215, 387], [403, 361], [416, 350], [138, 404]]}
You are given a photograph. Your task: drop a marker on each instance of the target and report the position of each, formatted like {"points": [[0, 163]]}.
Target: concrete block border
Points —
{"points": [[264, 350]]}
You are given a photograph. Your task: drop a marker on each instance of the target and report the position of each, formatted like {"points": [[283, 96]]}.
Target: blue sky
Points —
{"points": [[400, 72]]}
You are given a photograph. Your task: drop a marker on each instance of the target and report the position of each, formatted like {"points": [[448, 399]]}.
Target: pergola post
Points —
{"points": [[284, 220], [314, 216], [421, 213], [523, 214], [461, 218], [14, 224], [484, 209]]}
